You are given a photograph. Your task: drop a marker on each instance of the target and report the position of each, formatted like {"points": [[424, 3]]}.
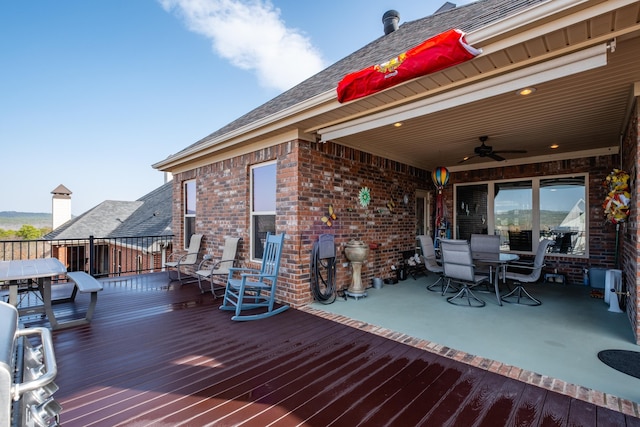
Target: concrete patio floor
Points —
{"points": [[560, 338]]}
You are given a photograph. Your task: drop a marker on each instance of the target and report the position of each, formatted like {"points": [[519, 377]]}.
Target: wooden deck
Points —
{"points": [[159, 355]]}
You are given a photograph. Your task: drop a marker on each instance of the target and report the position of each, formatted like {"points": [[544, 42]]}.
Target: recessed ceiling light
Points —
{"points": [[526, 91], [397, 124], [554, 146]]}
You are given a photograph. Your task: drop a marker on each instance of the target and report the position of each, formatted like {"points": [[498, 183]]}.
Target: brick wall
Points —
{"points": [[333, 174], [310, 177], [629, 241]]}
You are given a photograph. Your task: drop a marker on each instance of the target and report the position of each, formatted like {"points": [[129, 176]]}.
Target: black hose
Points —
{"points": [[323, 286]]}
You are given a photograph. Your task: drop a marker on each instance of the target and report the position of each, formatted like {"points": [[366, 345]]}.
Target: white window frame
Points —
{"points": [[425, 195], [535, 187], [187, 216], [253, 213]]}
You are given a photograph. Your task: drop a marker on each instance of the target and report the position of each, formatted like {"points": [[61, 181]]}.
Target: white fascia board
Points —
{"points": [[567, 65], [225, 150], [278, 116]]}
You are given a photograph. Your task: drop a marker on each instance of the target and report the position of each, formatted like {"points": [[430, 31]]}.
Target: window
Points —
{"points": [[189, 202], [77, 257], [563, 214], [423, 219], [513, 214], [117, 261], [263, 206], [102, 260], [525, 211]]}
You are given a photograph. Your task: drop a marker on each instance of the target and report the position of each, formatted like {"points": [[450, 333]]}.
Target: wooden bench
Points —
{"points": [[84, 283]]}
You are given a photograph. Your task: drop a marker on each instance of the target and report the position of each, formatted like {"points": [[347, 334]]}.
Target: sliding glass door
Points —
{"points": [[525, 211]]}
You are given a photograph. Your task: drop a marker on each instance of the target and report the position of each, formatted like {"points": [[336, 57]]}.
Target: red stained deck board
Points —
{"points": [[311, 385], [499, 408], [457, 404], [372, 391], [165, 355], [555, 410], [335, 385], [529, 407], [265, 382]]}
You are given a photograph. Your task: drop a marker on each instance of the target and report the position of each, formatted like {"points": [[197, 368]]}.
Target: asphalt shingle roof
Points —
{"points": [[409, 34], [150, 215]]}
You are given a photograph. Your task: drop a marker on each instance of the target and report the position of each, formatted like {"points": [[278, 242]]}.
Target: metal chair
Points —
{"points": [[563, 243], [458, 268], [431, 262], [519, 294], [485, 243], [246, 292], [182, 260], [484, 246], [520, 240], [210, 268]]}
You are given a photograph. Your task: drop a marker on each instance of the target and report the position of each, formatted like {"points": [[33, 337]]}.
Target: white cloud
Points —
{"points": [[251, 36]]}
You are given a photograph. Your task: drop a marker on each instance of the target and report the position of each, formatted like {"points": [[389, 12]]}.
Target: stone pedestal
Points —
{"points": [[356, 251]]}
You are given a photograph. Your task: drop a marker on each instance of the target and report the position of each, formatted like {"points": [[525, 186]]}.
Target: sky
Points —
{"points": [[93, 92]]}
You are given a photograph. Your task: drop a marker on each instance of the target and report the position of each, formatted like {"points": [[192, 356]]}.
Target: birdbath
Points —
{"points": [[356, 251]]}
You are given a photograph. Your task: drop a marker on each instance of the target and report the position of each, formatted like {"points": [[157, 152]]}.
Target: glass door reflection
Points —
{"points": [[471, 210]]}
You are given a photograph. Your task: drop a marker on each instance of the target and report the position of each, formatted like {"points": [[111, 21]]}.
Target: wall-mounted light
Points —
{"points": [[554, 146], [526, 91], [397, 124]]}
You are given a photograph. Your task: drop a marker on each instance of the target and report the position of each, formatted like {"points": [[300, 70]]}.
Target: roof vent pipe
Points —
{"points": [[390, 20]]}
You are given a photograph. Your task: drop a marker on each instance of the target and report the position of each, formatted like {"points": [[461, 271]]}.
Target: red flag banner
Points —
{"points": [[439, 52]]}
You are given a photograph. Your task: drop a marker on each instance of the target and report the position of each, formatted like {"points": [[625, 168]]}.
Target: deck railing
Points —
{"points": [[98, 256]]}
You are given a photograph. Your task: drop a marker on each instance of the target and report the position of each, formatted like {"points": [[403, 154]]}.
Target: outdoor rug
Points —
{"points": [[622, 360]]}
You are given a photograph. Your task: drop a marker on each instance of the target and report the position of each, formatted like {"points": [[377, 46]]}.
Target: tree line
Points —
{"points": [[26, 232]]}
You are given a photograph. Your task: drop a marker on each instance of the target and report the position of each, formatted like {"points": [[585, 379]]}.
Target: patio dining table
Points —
{"points": [[15, 273], [497, 261]]}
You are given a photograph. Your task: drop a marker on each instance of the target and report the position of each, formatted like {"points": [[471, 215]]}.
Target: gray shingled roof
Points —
{"points": [[467, 18], [153, 217], [150, 215]]}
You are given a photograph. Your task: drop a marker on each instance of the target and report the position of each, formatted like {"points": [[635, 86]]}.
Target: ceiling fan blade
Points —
{"points": [[495, 157]]}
